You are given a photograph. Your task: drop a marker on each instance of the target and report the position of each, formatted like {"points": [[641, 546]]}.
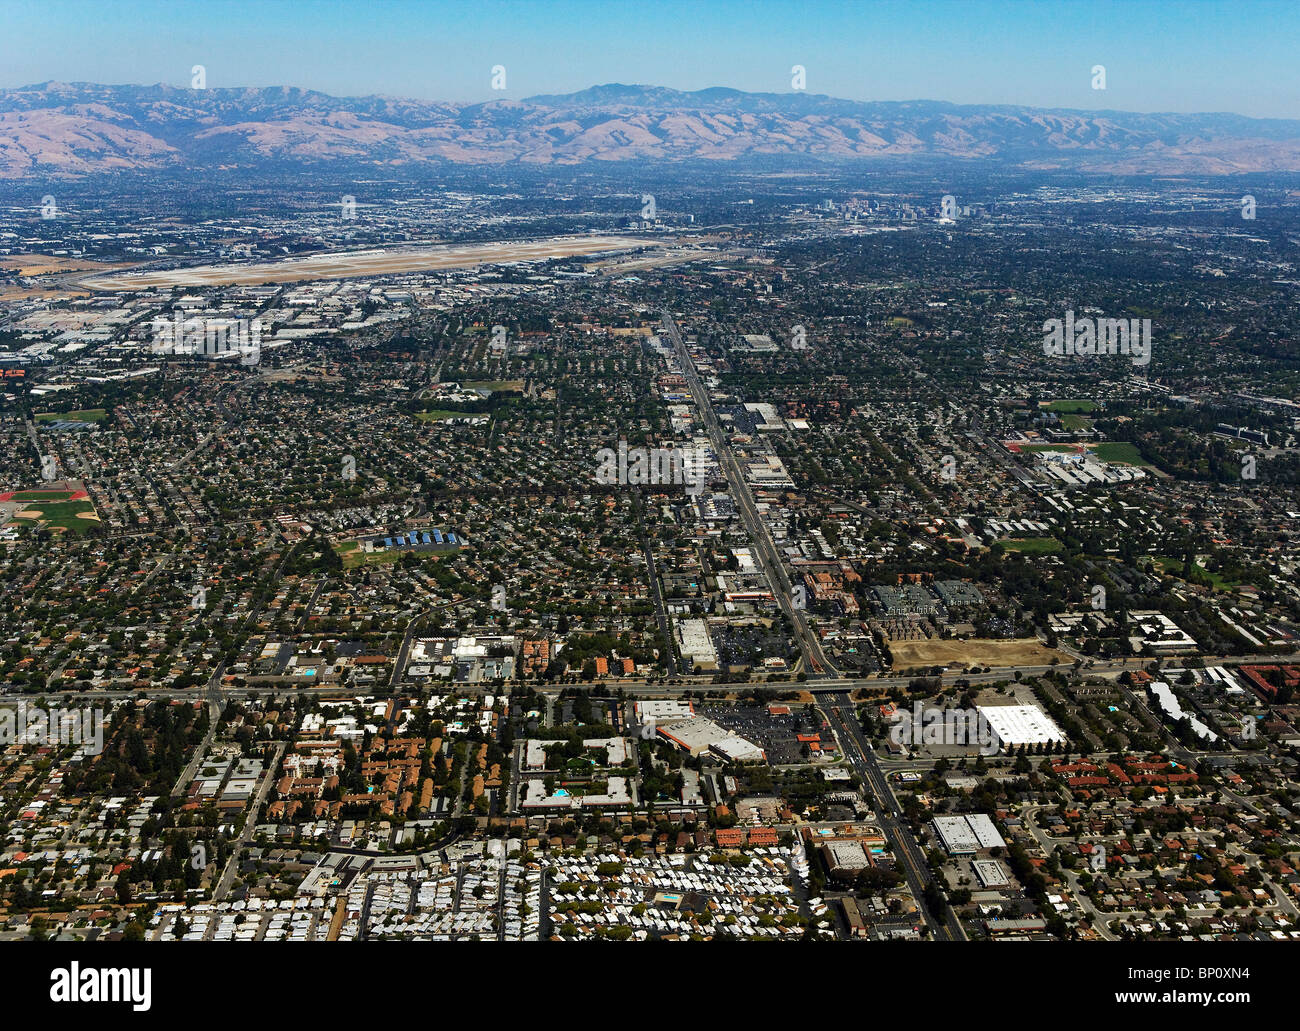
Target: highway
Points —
{"points": [[652, 689], [768, 559], [839, 711]]}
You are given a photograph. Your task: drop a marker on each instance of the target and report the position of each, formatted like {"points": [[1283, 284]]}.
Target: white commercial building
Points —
{"points": [[661, 710], [1158, 633], [966, 835], [699, 735], [1170, 704], [1021, 725], [696, 643]]}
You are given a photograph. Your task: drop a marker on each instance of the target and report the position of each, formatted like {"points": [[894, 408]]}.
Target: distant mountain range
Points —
{"points": [[60, 130]]}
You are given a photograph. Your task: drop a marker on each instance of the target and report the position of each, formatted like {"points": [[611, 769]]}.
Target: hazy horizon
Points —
{"points": [[498, 98], [1159, 57]]}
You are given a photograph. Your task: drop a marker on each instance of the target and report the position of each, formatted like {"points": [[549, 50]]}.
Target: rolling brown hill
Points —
{"points": [[57, 130]]}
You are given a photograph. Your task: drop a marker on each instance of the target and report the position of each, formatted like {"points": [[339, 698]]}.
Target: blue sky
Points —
{"points": [[1159, 56]]}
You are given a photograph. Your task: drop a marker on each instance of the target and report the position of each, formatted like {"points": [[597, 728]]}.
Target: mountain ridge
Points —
{"points": [[57, 129]]}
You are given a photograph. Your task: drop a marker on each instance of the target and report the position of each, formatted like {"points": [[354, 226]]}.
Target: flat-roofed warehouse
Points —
{"points": [[990, 873], [696, 645], [985, 832], [966, 835], [737, 749], [1021, 725], [702, 735], [663, 709], [845, 855]]}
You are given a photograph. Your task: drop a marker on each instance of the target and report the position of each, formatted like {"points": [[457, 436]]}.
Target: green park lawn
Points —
{"points": [[1032, 545], [1120, 452], [81, 415], [1073, 407], [439, 414]]}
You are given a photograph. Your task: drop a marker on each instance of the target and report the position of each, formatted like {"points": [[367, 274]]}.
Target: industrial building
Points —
{"points": [[966, 835], [1021, 725], [699, 735], [696, 645]]}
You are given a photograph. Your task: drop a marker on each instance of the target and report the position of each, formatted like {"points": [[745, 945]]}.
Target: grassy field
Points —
{"points": [[1120, 453], [439, 414], [1076, 422], [1174, 567], [495, 385], [1032, 545], [1074, 407], [54, 510], [974, 652], [43, 495], [82, 415], [1065, 448], [353, 556]]}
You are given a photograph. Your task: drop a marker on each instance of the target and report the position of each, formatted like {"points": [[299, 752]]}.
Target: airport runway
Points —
{"points": [[371, 262]]}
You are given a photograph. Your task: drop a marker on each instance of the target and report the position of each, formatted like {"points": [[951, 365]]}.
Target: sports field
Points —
{"points": [[1032, 545], [1071, 406], [1119, 452], [495, 385], [81, 415], [50, 509], [439, 414], [353, 556]]}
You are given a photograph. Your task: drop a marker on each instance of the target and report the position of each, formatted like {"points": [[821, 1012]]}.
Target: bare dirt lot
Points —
{"points": [[48, 266], [974, 652], [377, 262], [43, 264], [13, 294]]}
